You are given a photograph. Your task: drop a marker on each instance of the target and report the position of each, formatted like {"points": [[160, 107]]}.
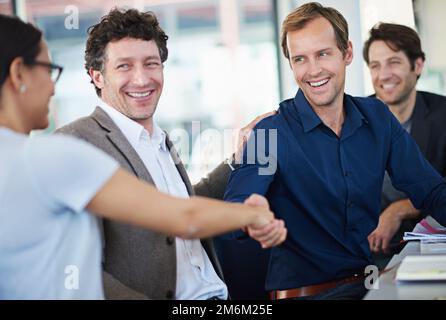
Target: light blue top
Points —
{"points": [[50, 248]]}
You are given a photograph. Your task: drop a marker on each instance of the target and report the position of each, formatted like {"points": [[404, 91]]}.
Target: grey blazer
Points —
{"points": [[139, 263]]}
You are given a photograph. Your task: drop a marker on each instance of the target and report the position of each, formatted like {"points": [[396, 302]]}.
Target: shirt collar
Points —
{"points": [[159, 137], [354, 118], [311, 120], [132, 130], [308, 117]]}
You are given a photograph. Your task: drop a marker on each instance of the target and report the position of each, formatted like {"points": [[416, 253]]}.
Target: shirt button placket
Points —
{"points": [[347, 176]]}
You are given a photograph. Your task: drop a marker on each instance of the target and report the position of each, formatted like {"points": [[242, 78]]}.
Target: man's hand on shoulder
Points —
{"points": [[244, 134]]}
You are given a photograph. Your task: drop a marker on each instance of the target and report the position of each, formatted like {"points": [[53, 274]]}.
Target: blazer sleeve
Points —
{"points": [[69, 130], [214, 184], [115, 290]]}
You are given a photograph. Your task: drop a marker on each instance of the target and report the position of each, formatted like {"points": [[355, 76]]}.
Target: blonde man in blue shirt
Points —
{"points": [[332, 152]]}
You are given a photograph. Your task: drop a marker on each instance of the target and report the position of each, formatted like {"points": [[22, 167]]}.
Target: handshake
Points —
{"points": [[267, 230]]}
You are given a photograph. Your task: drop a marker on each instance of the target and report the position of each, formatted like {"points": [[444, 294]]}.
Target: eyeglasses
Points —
{"points": [[55, 69]]}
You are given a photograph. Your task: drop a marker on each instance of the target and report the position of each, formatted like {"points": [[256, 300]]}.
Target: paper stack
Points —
{"points": [[422, 268], [425, 231], [433, 246]]}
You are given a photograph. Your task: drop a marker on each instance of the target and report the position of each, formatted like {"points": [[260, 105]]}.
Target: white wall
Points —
{"points": [[374, 11], [432, 25]]}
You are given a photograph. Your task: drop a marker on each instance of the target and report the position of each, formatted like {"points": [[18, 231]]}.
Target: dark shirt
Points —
{"points": [[328, 188], [389, 193]]}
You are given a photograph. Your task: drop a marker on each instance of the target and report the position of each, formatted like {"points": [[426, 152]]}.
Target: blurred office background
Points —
{"points": [[225, 65], [224, 68]]}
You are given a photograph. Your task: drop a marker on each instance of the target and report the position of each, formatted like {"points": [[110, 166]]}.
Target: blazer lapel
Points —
{"points": [[207, 244], [122, 144], [421, 124], [180, 167]]}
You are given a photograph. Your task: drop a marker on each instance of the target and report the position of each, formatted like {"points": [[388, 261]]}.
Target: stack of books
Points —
{"points": [[433, 246], [425, 231], [422, 268], [431, 264]]}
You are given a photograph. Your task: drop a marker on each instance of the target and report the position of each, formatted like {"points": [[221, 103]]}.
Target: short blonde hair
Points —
{"points": [[308, 12]]}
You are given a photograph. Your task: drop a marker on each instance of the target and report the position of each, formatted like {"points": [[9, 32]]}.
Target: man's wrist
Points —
{"points": [[404, 209]]}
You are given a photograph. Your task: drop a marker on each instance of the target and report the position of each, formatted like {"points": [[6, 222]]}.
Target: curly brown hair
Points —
{"points": [[397, 37], [119, 24]]}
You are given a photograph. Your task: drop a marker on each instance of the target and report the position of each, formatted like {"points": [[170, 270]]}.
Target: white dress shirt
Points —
{"points": [[196, 277]]}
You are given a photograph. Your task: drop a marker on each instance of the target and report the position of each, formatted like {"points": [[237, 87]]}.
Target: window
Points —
{"points": [[6, 7], [221, 71]]}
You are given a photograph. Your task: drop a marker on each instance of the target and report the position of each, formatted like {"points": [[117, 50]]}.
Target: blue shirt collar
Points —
{"points": [[305, 112], [311, 120]]}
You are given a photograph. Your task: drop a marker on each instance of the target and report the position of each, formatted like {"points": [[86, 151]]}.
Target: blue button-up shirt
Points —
{"points": [[328, 188]]}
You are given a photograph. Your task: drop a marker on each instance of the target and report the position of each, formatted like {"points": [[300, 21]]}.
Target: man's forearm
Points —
{"points": [[404, 209]]}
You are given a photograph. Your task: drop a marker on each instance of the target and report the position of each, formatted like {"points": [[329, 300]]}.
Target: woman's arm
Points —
{"points": [[125, 198]]}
